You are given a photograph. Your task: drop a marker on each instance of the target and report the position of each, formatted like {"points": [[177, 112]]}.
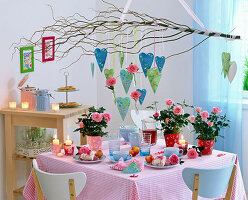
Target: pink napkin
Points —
{"points": [[121, 165]]}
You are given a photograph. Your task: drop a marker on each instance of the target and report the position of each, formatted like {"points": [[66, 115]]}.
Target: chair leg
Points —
{"points": [[72, 189], [196, 187], [37, 186], [230, 184]]}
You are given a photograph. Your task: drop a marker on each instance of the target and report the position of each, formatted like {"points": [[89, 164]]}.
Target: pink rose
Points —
{"points": [[83, 149], [132, 68], [177, 110], [210, 124], [167, 120], [81, 124], [204, 115], [192, 154], [174, 159], [192, 118], [198, 109], [111, 81], [135, 95], [96, 117], [156, 114], [169, 102], [106, 116], [217, 110]]}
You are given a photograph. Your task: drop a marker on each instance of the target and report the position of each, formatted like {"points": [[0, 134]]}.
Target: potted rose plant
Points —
{"points": [[92, 125], [207, 127], [172, 119]]}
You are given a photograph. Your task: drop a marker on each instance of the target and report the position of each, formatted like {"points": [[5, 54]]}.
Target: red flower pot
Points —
{"points": [[95, 142], [171, 139], [208, 146]]}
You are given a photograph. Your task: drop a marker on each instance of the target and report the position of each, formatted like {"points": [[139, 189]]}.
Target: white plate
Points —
{"points": [[111, 159], [76, 158], [160, 167]]}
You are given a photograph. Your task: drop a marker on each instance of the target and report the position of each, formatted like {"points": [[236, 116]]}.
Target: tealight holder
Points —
{"points": [[184, 147], [69, 149], [56, 148]]}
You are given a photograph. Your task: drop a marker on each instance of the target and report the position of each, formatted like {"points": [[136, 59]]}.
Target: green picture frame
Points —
{"points": [[27, 59]]}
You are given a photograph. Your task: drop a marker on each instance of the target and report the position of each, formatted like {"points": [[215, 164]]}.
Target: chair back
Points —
{"points": [[212, 182], [56, 186], [138, 116]]}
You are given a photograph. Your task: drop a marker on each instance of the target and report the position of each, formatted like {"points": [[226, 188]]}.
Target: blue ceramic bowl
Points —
{"points": [[125, 130]]}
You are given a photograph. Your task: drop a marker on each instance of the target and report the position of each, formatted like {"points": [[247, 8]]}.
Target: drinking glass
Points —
{"points": [[150, 126], [145, 144], [125, 130], [134, 139], [114, 143]]}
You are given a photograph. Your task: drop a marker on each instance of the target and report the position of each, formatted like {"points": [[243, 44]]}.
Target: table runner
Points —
{"points": [[104, 183]]}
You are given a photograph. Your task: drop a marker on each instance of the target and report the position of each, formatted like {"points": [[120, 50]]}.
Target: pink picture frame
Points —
{"points": [[48, 48]]}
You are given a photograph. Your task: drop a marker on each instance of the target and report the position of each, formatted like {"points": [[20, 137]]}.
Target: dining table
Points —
{"points": [[104, 183]]}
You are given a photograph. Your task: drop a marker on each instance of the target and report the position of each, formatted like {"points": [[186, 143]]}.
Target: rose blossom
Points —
{"points": [[81, 124], [174, 159], [217, 110], [167, 120], [192, 118], [177, 110], [198, 109], [111, 81], [169, 102], [192, 154], [96, 117], [132, 68], [106, 116], [156, 114], [204, 115], [135, 95], [210, 124]]}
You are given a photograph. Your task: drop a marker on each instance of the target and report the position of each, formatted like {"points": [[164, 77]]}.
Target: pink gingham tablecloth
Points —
{"points": [[104, 183]]}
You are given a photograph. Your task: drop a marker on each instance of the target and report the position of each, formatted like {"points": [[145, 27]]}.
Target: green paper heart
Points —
{"points": [[121, 57], [226, 63], [109, 73], [154, 76], [123, 106], [131, 169], [126, 79]]}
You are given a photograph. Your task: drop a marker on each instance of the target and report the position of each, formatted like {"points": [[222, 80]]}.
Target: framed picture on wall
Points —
{"points": [[27, 59], [48, 48]]}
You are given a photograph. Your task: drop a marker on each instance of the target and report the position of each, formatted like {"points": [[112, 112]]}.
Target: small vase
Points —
{"points": [[171, 139], [208, 146], [95, 142]]}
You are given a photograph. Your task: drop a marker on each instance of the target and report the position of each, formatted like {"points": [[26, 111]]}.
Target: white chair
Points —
{"points": [[57, 186]]}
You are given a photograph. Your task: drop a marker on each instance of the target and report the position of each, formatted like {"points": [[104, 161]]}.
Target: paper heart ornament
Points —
{"points": [[154, 76], [232, 71], [126, 79], [160, 62], [226, 57], [109, 73], [121, 57], [101, 55], [143, 95], [92, 65], [146, 61], [131, 169], [123, 106]]}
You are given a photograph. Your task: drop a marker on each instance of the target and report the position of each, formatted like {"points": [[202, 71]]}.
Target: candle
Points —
{"points": [[55, 107], [12, 105], [55, 140], [68, 141], [60, 154], [25, 105], [182, 141]]}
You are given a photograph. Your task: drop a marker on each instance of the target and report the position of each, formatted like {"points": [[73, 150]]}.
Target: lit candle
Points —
{"points": [[12, 105], [60, 154], [55, 140], [182, 141], [68, 141], [25, 105], [55, 107]]}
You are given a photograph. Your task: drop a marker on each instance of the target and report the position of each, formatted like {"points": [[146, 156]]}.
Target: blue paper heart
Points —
{"points": [[146, 61], [123, 106], [160, 62], [131, 169], [101, 55], [143, 95], [126, 79]]}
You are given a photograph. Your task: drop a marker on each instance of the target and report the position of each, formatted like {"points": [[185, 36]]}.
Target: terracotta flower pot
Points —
{"points": [[95, 142], [208, 146], [171, 139]]}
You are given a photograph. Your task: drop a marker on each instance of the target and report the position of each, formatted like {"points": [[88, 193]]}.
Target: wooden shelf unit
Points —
{"points": [[31, 118]]}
